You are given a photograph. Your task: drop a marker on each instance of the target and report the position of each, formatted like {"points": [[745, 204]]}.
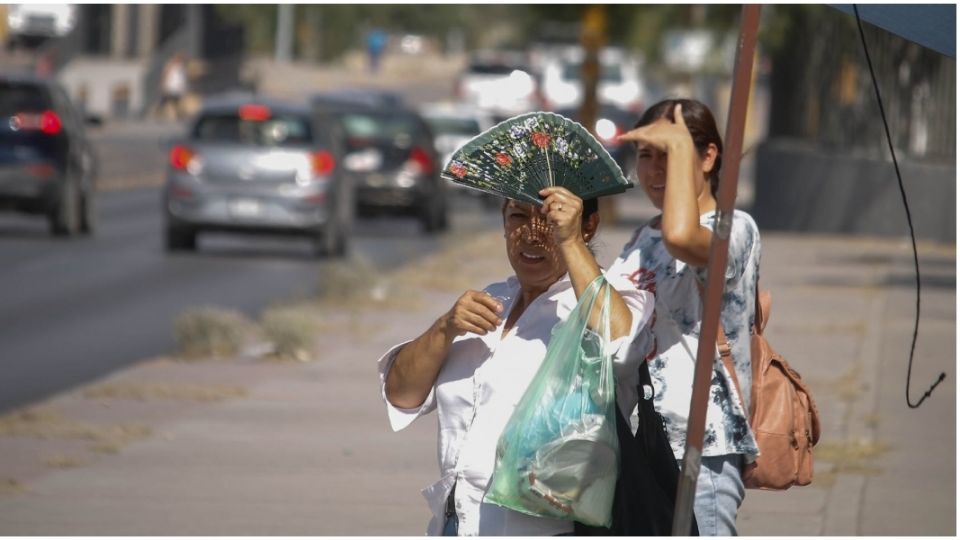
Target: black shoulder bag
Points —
{"points": [[647, 486]]}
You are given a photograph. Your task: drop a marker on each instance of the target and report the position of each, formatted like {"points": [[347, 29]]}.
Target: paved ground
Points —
{"points": [[304, 448]]}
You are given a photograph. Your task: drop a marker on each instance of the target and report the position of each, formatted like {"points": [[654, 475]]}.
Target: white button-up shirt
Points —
{"points": [[477, 389]]}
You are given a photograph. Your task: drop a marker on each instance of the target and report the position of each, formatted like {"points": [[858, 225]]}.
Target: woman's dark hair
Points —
{"points": [[700, 123]]}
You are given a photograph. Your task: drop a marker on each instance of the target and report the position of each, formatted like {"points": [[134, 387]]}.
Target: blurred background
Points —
{"points": [[142, 134], [262, 182]]}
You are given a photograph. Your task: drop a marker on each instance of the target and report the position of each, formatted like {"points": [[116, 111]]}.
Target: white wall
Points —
{"points": [[102, 78]]}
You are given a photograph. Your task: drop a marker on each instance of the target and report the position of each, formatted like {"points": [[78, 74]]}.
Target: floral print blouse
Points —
{"points": [[669, 342]]}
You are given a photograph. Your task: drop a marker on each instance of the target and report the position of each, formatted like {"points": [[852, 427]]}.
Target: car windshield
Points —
{"points": [[399, 128], [608, 72], [453, 126], [281, 130], [19, 98]]}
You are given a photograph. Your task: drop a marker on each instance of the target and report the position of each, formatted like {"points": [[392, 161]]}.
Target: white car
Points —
{"points": [[619, 85], [453, 126], [500, 84], [40, 20]]}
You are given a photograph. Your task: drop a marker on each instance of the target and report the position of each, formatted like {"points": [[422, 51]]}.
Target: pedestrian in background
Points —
{"points": [[476, 361], [376, 45], [173, 85], [679, 153]]}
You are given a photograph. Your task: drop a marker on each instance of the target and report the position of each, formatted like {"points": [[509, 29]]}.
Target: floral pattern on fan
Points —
{"points": [[520, 156]]}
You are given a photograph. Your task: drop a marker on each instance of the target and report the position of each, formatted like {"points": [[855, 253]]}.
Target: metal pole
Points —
{"points": [[284, 41], [706, 350]]}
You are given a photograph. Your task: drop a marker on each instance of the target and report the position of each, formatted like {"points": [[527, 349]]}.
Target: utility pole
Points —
{"points": [[284, 43], [593, 36], [717, 262]]}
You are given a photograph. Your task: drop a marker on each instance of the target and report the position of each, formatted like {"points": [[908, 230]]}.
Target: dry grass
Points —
{"points": [[852, 456], [62, 462], [10, 486], [849, 386], [824, 479], [162, 391], [210, 332], [47, 424], [871, 420], [292, 331]]}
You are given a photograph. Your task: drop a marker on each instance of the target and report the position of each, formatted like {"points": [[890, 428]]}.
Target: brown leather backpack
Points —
{"points": [[783, 416]]}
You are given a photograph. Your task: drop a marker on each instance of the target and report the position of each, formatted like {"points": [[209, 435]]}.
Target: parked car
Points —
{"points": [[47, 164], [500, 84], [262, 166], [619, 84], [390, 158], [611, 122]]}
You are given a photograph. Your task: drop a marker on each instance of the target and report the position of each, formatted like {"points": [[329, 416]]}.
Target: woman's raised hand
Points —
{"points": [[475, 311], [564, 211], [663, 135]]}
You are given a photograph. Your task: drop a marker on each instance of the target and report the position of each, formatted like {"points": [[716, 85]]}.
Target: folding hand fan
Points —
{"points": [[520, 156]]}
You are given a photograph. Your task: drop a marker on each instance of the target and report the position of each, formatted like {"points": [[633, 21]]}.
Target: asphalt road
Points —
{"points": [[75, 310]]}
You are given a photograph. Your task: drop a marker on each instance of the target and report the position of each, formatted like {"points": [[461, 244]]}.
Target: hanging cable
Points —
{"points": [[913, 239]]}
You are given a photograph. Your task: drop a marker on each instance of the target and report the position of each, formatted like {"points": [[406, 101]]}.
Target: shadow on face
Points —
{"points": [[531, 248]]}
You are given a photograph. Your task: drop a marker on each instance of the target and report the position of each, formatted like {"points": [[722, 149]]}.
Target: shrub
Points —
{"points": [[210, 332]]}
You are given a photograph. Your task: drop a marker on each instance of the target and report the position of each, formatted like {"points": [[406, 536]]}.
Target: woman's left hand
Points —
{"points": [[563, 211]]}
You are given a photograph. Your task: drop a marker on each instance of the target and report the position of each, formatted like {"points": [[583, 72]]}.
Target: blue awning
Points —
{"points": [[933, 26]]}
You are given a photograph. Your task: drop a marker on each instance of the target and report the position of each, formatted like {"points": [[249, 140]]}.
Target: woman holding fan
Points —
{"points": [[476, 360]]}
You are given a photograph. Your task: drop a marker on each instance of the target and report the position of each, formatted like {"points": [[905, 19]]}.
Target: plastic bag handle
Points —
{"points": [[587, 301]]}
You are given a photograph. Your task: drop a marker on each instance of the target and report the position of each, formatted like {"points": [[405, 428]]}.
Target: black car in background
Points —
{"points": [[47, 164], [390, 158], [258, 166]]}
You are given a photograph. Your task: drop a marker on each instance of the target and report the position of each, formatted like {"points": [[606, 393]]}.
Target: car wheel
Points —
{"points": [[64, 216], [433, 216], [87, 214], [180, 239]]}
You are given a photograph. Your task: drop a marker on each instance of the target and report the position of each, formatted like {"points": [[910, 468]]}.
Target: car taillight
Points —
{"points": [[180, 157], [254, 112], [47, 122], [323, 163], [420, 160], [50, 123]]}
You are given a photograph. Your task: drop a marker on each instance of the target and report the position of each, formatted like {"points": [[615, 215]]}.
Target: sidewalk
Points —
{"points": [[249, 447]]}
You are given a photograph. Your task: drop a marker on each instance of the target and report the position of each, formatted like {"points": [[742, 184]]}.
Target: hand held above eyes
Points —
{"points": [[663, 135]]}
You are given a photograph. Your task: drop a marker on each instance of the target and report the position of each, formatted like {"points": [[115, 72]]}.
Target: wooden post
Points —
{"points": [[706, 350], [593, 36]]}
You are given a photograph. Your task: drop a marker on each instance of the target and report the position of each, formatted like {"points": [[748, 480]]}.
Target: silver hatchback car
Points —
{"points": [[257, 167]]}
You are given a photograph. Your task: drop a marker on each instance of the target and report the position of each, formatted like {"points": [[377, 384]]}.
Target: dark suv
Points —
{"points": [[390, 158], [47, 165]]}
